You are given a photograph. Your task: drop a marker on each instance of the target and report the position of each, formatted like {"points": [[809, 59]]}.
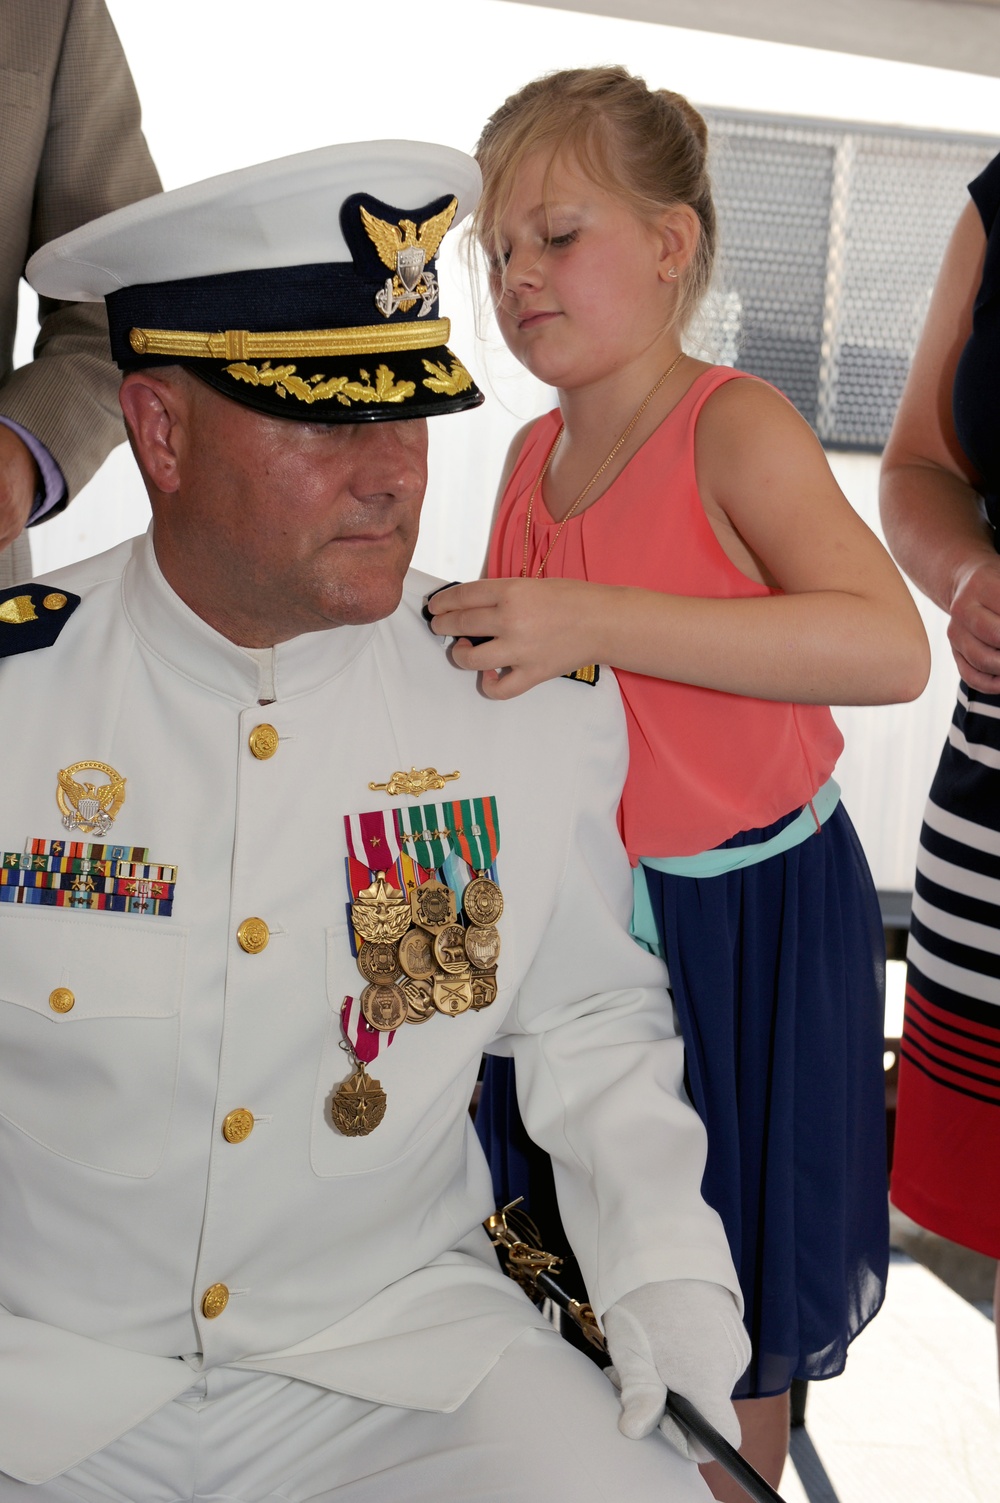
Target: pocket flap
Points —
{"points": [[113, 968]]}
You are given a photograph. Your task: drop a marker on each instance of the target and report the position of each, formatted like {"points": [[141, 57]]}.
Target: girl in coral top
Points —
{"points": [[678, 520]]}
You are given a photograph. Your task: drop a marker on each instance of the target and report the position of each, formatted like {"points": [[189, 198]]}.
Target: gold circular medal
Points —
{"points": [[416, 955], [419, 994], [484, 988], [482, 902], [358, 1105], [452, 994], [384, 1007], [378, 960], [482, 946], [449, 949]]}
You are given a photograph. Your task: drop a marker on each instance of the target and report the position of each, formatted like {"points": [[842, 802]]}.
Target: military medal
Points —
{"points": [[416, 954], [384, 1007], [449, 949], [359, 1102], [453, 994], [484, 988], [482, 902], [482, 946], [419, 994], [380, 912], [378, 960], [432, 905]]}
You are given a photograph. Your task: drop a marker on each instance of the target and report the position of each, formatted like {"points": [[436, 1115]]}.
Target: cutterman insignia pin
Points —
{"points": [[414, 782]]}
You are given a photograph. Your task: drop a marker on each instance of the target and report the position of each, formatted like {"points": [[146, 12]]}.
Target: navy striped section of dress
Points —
{"points": [[946, 1173]]}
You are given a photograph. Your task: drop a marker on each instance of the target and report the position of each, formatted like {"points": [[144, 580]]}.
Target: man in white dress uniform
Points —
{"points": [[272, 876]]}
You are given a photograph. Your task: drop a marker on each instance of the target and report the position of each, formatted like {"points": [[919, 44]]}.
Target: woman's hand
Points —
{"points": [[974, 628], [538, 629]]}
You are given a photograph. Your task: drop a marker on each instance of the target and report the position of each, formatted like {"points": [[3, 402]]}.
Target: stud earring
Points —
{"points": [[672, 273]]}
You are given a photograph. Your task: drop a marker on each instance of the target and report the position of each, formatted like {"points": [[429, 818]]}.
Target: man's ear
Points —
{"points": [[155, 409], [679, 229]]}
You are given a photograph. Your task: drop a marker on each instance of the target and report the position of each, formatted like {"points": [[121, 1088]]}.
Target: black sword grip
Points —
{"points": [[718, 1447], [692, 1419]]}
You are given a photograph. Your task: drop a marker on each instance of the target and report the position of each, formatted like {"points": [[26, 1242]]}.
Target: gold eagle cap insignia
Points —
{"points": [[89, 807], [389, 239]]}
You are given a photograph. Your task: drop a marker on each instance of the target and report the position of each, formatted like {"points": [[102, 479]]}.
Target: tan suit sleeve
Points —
{"points": [[93, 159]]}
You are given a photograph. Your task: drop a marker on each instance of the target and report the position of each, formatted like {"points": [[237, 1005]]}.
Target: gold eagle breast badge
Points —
{"points": [[89, 807]]}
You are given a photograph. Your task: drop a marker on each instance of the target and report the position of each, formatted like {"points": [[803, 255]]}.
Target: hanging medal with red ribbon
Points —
{"points": [[359, 1103]]}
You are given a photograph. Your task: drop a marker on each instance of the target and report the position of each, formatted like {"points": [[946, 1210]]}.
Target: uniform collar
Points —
{"points": [[172, 632]]}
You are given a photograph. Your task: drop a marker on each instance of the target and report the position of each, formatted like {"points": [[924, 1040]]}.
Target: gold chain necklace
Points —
{"points": [[593, 479]]}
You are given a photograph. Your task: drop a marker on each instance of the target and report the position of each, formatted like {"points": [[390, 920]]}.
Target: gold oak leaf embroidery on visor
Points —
{"points": [[448, 383], [317, 389]]}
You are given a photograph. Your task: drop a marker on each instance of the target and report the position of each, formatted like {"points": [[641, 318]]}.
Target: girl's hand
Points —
{"points": [[974, 628], [539, 629]]}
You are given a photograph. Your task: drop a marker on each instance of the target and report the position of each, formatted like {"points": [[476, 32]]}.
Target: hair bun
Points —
{"points": [[695, 123]]}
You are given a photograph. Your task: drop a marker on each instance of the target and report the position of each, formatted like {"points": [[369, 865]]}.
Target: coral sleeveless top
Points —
{"points": [[703, 765]]}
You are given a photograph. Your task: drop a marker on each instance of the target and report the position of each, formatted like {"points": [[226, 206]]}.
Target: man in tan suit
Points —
{"points": [[72, 150]]}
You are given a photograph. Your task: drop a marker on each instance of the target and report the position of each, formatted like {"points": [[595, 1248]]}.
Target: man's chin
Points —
{"points": [[363, 603]]}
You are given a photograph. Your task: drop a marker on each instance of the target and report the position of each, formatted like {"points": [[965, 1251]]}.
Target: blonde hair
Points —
{"points": [[647, 147]]}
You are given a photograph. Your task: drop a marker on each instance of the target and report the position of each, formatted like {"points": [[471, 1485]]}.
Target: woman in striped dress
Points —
{"points": [[940, 508]]}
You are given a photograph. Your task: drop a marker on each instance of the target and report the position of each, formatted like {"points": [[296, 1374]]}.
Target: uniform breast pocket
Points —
{"points": [[89, 1034]]}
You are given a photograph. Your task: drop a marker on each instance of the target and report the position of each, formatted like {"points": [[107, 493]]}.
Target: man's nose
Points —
{"points": [[391, 459]]}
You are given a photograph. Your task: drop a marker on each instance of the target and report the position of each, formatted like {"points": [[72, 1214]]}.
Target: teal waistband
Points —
{"points": [[716, 862]]}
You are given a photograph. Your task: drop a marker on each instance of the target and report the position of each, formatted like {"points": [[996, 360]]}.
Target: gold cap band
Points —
{"points": [[297, 344]]}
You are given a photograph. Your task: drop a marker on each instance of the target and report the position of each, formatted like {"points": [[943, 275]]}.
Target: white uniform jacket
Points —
{"points": [[356, 1263]]}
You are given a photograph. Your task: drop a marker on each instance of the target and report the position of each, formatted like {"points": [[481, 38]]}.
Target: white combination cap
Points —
{"points": [[305, 287]]}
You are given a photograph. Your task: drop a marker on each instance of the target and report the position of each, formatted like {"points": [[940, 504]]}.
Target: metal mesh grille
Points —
{"points": [[830, 240]]}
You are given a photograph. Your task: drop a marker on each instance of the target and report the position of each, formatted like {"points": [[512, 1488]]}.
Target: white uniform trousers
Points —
{"points": [[541, 1425]]}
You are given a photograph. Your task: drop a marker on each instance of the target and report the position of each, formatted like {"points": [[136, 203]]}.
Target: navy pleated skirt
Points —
{"points": [[777, 972]]}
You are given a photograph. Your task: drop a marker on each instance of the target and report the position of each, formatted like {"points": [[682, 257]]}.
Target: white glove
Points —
{"points": [[684, 1335]]}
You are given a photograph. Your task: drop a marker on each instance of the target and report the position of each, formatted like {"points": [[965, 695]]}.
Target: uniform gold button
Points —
{"points": [[62, 999], [214, 1301], [54, 602], [263, 742], [253, 935], [238, 1125]]}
